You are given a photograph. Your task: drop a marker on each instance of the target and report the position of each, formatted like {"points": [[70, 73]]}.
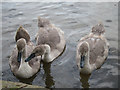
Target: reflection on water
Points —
{"points": [[49, 82], [84, 78]]}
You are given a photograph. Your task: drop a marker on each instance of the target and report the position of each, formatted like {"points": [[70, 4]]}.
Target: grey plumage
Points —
{"points": [[97, 49], [22, 35], [51, 35]]}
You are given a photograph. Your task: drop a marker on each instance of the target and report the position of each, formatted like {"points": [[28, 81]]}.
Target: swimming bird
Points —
{"points": [[92, 50], [50, 41], [22, 50]]}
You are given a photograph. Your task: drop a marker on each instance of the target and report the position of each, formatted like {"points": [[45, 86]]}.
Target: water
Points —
{"points": [[76, 20]]}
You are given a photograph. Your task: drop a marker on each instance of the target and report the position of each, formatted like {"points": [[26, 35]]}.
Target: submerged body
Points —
{"points": [[22, 50], [94, 49]]}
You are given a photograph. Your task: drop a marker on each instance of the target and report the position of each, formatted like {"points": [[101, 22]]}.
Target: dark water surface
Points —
{"points": [[76, 20]]}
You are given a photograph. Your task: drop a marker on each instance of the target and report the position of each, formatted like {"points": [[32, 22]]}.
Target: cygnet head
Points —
{"points": [[39, 51], [83, 51], [21, 47]]}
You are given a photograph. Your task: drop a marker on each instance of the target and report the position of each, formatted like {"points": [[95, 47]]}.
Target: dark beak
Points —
{"points": [[82, 61], [30, 57], [19, 57]]}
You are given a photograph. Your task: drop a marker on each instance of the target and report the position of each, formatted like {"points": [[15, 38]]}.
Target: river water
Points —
{"points": [[76, 20]]}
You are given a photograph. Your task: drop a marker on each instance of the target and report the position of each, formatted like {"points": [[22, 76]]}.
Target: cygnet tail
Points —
{"points": [[42, 22], [98, 29], [22, 33]]}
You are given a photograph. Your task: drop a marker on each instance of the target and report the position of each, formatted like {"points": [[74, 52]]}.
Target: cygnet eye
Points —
{"points": [[37, 52]]}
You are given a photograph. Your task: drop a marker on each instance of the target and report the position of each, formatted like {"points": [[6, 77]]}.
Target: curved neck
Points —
{"points": [[47, 57], [47, 49], [87, 63], [23, 57], [24, 53]]}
